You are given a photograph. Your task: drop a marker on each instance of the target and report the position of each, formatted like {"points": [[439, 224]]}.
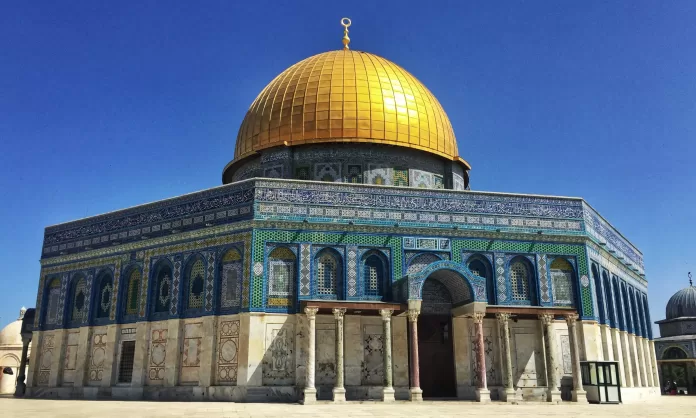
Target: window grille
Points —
{"points": [[53, 296], [79, 300], [125, 368], [196, 285], [519, 281], [326, 275], [133, 300], [373, 273]]}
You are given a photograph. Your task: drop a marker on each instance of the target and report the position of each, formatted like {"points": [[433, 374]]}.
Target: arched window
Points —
{"points": [[327, 275], [195, 278], [103, 297], [79, 299], [627, 308], [52, 299], [674, 353], [648, 323], [482, 268], [519, 281], [609, 298], [619, 306], [231, 280], [281, 267], [374, 274], [597, 286], [133, 292], [162, 291], [562, 282]]}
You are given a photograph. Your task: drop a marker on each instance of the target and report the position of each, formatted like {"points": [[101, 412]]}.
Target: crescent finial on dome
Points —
{"points": [[345, 22]]}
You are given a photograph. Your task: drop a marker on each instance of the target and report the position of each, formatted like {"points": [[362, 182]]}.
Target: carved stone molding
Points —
{"points": [[386, 314], [311, 313], [338, 313]]}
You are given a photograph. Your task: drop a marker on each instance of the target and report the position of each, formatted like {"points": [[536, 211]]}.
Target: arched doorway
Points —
{"points": [[442, 290]]}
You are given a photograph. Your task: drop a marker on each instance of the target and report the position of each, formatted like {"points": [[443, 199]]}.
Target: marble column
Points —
{"points": [[388, 390], [578, 393], [482, 392], [509, 392], [628, 365], [310, 391], [554, 394], [416, 394], [21, 386], [339, 390]]}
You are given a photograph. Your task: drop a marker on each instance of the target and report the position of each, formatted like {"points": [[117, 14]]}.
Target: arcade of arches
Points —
{"points": [[451, 339]]}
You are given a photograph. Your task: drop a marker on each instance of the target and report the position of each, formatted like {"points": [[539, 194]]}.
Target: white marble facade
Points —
{"points": [[263, 357]]}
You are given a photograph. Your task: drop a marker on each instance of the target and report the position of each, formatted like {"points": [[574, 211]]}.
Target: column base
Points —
{"points": [[388, 394], [579, 396], [483, 395], [310, 396], [509, 396], [416, 395], [554, 396], [339, 394], [20, 390]]}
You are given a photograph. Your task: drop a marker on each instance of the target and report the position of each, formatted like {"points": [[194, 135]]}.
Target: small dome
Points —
{"points": [[10, 335], [683, 303]]}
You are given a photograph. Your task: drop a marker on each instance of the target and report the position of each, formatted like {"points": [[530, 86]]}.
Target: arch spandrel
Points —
{"points": [[475, 285]]}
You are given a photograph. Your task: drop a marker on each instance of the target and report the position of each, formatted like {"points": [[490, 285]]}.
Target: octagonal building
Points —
{"points": [[343, 258]]}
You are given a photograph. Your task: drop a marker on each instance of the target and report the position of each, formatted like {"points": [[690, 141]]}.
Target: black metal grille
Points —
{"points": [[125, 369]]}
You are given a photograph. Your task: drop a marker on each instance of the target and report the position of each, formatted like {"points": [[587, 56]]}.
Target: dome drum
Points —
{"points": [[352, 163]]}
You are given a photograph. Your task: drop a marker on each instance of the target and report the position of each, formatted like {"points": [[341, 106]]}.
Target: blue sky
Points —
{"points": [[106, 105]]}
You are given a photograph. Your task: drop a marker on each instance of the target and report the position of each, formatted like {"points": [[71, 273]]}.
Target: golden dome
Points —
{"points": [[346, 96]]}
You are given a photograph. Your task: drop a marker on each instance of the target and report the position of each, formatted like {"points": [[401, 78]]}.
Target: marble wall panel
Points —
{"points": [[278, 366], [158, 353], [70, 361], [527, 355], [191, 353]]}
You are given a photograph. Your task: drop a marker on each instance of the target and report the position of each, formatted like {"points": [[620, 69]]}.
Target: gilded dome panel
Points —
{"points": [[346, 96]]}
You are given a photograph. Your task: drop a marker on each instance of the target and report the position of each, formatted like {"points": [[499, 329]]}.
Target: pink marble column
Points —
{"points": [[416, 392], [482, 392]]}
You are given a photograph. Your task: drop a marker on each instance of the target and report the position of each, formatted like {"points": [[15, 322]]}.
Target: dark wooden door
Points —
{"points": [[436, 356]]}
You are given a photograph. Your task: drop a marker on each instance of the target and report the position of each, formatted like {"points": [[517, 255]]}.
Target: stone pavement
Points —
{"points": [[665, 407]]}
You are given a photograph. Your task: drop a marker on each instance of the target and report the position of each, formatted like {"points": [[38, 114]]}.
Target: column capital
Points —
{"points": [[311, 312], [571, 319], [338, 313], [413, 315], [546, 318], [386, 314], [502, 317], [478, 317]]}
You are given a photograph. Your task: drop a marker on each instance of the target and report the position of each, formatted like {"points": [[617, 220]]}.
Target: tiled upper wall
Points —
{"points": [[292, 200]]}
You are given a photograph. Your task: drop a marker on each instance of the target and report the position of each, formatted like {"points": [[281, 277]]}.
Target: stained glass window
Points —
{"points": [[230, 281], [281, 263], [196, 281], [163, 291], [562, 282], [133, 299], [53, 298], [519, 281], [79, 300], [326, 274], [373, 275]]}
